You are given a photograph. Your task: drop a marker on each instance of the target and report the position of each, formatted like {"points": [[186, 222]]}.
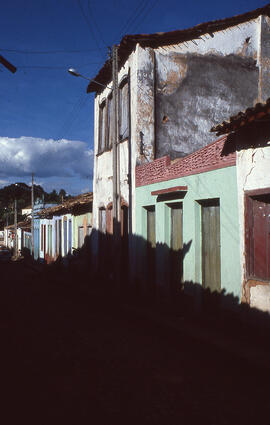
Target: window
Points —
{"points": [[102, 127], [123, 110], [110, 126]]}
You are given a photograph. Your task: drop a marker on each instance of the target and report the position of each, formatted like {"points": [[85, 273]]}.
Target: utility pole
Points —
{"points": [[116, 155], [116, 169], [32, 218], [15, 229]]}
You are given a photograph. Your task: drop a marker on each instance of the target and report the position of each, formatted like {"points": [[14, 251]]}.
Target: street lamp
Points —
{"points": [[75, 73]]}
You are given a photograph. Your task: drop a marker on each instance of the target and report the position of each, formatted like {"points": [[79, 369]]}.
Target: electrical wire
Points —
{"points": [[54, 67], [72, 117], [76, 115], [147, 10], [91, 15], [89, 26], [132, 18], [47, 52]]}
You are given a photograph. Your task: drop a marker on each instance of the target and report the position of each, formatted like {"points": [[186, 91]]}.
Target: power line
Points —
{"points": [[54, 67], [132, 17], [72, 116], [89, 26], [150, 8], [47, 52], [95, 22]]}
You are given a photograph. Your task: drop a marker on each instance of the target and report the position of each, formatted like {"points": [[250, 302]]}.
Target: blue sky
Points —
{"points": [[41, 103]]}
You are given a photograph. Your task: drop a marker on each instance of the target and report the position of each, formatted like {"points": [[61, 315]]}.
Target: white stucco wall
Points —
{"points": [[103, 163], [253, 172], [243, 40], [225, 42]]}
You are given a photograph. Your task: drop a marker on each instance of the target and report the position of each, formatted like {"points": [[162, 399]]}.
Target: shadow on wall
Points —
{"points": [[156, 283], [157, 280], [254, 135]]}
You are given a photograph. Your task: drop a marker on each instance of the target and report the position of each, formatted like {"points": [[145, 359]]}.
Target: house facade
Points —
{"points": [[248, 134], [23, 236], [172, 88], [187, 226], [64, 227]]}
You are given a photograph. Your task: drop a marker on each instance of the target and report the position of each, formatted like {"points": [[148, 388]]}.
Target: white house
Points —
{"points": [[173, 87], [249, 135]]}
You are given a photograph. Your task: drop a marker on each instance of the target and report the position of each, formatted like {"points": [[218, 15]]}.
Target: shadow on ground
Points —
{"points": [[78, 346]]}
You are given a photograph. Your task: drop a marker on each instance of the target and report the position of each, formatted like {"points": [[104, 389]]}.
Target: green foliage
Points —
{"points": [[22, 192]]}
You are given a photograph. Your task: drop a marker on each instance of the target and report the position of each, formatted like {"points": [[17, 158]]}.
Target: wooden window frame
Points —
{"points": [[124, 82], [102, 122], [109, 122]]}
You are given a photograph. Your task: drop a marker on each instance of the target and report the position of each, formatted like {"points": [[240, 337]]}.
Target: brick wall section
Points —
{"points": [[206, 159]]}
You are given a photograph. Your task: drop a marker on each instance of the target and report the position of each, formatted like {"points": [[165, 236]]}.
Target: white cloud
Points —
{"points": [[44, 157], [3, 182]]}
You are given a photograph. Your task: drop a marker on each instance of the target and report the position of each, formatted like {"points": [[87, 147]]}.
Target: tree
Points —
{"points": [[62, 194]]}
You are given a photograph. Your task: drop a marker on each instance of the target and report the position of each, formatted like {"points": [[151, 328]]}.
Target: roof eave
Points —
{"points": [[129, 42]]}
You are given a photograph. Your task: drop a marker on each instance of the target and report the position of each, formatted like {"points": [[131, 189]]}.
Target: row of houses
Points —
{"points": [[193, 165], [58, 229], [62, 228], [194, 206]]}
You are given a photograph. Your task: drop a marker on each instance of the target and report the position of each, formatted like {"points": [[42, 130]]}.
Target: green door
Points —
{"points": [[151, 247], [211, 245], [176, 246]]}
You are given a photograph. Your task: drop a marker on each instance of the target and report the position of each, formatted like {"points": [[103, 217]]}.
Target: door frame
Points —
{"points": [[249, 280]]}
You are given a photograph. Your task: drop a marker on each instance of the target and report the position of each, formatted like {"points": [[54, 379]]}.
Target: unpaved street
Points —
{"points": [[71, 357]]}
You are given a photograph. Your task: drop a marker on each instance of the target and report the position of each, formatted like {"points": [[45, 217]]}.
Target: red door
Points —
{"points": [[258, 237]]}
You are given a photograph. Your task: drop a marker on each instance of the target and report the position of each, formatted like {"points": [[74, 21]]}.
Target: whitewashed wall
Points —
{"points": [[253, 172]]}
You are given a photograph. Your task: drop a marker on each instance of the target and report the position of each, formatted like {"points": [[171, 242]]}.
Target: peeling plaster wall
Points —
{"points": [[202, 82], [264, 87], [103, 163], [145, 122], [253, 167], [176, 94]]}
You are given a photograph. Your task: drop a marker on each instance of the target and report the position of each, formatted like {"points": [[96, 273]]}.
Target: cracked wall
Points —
{"points": [[195, 92]]}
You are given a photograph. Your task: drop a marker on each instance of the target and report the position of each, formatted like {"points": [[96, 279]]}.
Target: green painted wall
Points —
{"points": [[78, 221], [220, 184]]}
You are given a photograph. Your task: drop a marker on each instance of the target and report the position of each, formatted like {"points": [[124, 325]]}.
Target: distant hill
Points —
{"points": [[22, 192]]}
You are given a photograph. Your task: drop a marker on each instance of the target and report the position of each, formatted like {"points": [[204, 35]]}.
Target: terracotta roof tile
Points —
{"points": [[67, 205], [260, 111]]}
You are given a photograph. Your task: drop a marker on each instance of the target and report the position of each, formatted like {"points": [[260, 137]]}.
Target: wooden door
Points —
{"points": [[65, 235], [60, 236], [176, 246], [56, 239], [151, 247], [124, 244], [258, 249], [80, 236], [45, 242], [211, 245], [69, 236]]}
